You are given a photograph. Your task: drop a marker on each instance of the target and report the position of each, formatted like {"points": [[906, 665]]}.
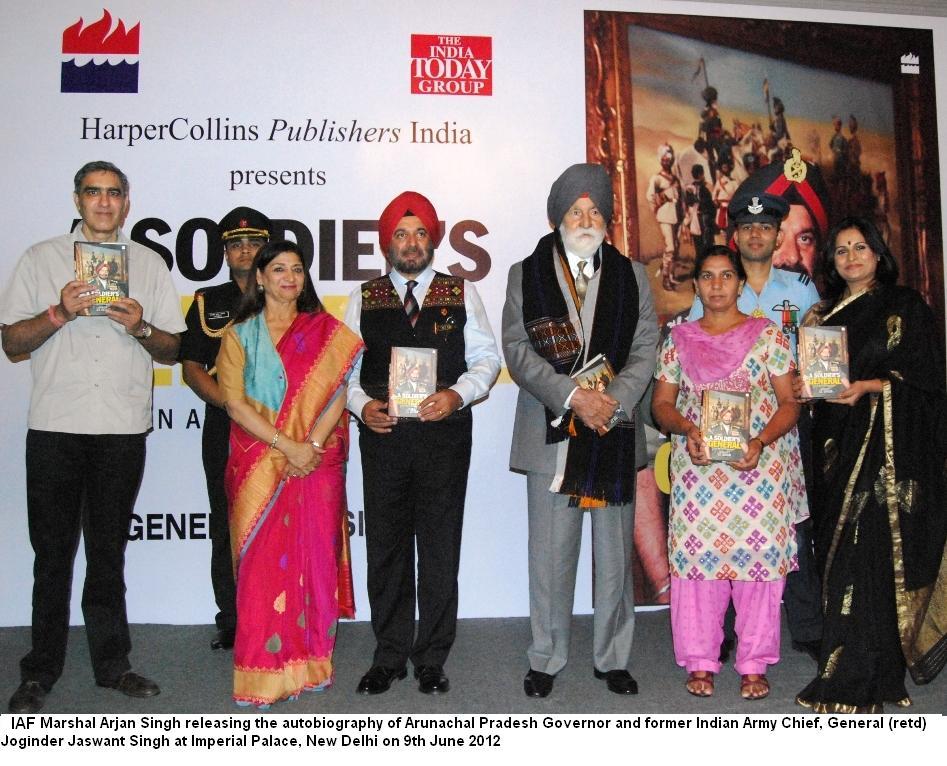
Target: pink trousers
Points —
{"points": [[698, 608]]}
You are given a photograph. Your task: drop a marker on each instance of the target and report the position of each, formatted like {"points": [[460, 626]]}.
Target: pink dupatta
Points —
{"points": [[707, 358]]}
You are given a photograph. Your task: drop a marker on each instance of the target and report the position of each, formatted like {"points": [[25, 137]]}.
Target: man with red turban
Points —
{"points": [[414, 471]]}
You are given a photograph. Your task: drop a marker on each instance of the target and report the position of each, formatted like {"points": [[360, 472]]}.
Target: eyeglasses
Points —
{"points": [[252, 243]]}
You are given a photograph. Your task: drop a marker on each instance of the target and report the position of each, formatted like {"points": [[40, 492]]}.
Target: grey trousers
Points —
{"points": [[555, 537]]}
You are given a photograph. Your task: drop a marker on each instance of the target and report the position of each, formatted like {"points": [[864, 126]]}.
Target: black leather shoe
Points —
{"points": [[431, 679], [726, 647], [132, 685], [808, 647], [378, 679], [538, 684], [617, 681], [28, 698], [224, 639]]}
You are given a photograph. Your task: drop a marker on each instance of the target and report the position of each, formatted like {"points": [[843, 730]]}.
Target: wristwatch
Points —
{"points": [[145, 332]]}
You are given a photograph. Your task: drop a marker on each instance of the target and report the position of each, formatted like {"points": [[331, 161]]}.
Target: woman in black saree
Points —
{"points": [[879, 501]]}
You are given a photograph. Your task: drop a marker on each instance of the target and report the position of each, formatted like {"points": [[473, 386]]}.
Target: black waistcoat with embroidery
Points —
{"points": [[440, 325]]}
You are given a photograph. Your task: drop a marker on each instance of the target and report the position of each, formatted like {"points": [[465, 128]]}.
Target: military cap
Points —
{"points": [[752, 204], [244, 222]]}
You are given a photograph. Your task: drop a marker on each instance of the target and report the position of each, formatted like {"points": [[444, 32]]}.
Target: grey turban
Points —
{"points": [[578, 181]]}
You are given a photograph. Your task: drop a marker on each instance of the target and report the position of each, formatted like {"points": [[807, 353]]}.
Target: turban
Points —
{"points": [[405, 204], [581, 180]]}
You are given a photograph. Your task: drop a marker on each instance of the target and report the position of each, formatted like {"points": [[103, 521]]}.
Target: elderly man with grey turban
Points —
{"points": [[575, 298]]}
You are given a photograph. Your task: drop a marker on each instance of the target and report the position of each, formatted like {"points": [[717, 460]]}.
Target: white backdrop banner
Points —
{"points": [[317, 114]]}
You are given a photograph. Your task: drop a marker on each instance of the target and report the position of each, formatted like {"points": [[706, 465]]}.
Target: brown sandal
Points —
{"points": [[700, 683], [754, 686]]}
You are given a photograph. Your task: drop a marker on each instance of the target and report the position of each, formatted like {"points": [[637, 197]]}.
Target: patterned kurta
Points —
{"points": [[729, 524]]}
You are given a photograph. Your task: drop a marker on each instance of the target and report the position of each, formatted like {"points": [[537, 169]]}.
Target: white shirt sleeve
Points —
{"points": [[480, 350], [356, 398]]}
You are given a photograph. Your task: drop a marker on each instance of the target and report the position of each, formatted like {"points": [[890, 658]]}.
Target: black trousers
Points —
{"points": [[80, 483], [215, 448], [803, 594], [415, 481]]}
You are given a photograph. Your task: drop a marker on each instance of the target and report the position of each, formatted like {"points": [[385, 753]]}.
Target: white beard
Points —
{"points": [[579, 244]]}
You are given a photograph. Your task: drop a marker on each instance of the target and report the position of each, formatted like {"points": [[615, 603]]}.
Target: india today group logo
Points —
{"points": [[84, 44], [455, 65]]}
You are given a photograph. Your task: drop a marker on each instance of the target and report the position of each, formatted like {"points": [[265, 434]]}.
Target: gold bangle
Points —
{"points": [[274, 439], [758, 439]]}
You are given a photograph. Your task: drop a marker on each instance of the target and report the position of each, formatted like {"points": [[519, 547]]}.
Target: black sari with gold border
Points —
{"points": [[878, 508]]}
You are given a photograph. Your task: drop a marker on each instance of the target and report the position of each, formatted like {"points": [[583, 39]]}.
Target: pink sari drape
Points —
{"points": [[290, 537]]}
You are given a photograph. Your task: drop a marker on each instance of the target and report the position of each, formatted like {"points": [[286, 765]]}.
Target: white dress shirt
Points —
{"points": [[574, 262]]}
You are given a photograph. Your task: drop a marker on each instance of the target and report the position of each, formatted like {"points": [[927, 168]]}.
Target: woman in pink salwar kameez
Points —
{"points": [[731, 523]]}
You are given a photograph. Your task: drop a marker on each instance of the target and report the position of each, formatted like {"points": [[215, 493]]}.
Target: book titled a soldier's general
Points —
{"points": [[412, 378], [725, 424], [104, 267], [823, 361], [595, 375]]}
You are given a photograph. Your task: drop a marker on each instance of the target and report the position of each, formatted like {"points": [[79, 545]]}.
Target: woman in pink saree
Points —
{"points": [[283, 368]]}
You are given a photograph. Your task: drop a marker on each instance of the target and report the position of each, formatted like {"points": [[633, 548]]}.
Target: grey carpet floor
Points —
{"points": [[486, 670]]}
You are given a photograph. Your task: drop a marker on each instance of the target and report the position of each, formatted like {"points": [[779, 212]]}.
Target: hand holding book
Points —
{"points": [[696, 446], [856, 390], [751, 456], [74, 298], [593, 408], [439, 405], [375, 416], [127, 312], [590, 403]]}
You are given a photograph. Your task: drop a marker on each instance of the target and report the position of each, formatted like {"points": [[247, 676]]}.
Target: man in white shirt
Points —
{"points": [[90, 410], [574, 298], [414, 472]]}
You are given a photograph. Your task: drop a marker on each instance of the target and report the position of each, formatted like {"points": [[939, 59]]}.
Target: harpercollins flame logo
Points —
{"points": [[910, 64], [114, 73]]}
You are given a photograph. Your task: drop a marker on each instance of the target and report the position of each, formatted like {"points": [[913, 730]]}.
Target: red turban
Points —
{"points": [[405, 204]]}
